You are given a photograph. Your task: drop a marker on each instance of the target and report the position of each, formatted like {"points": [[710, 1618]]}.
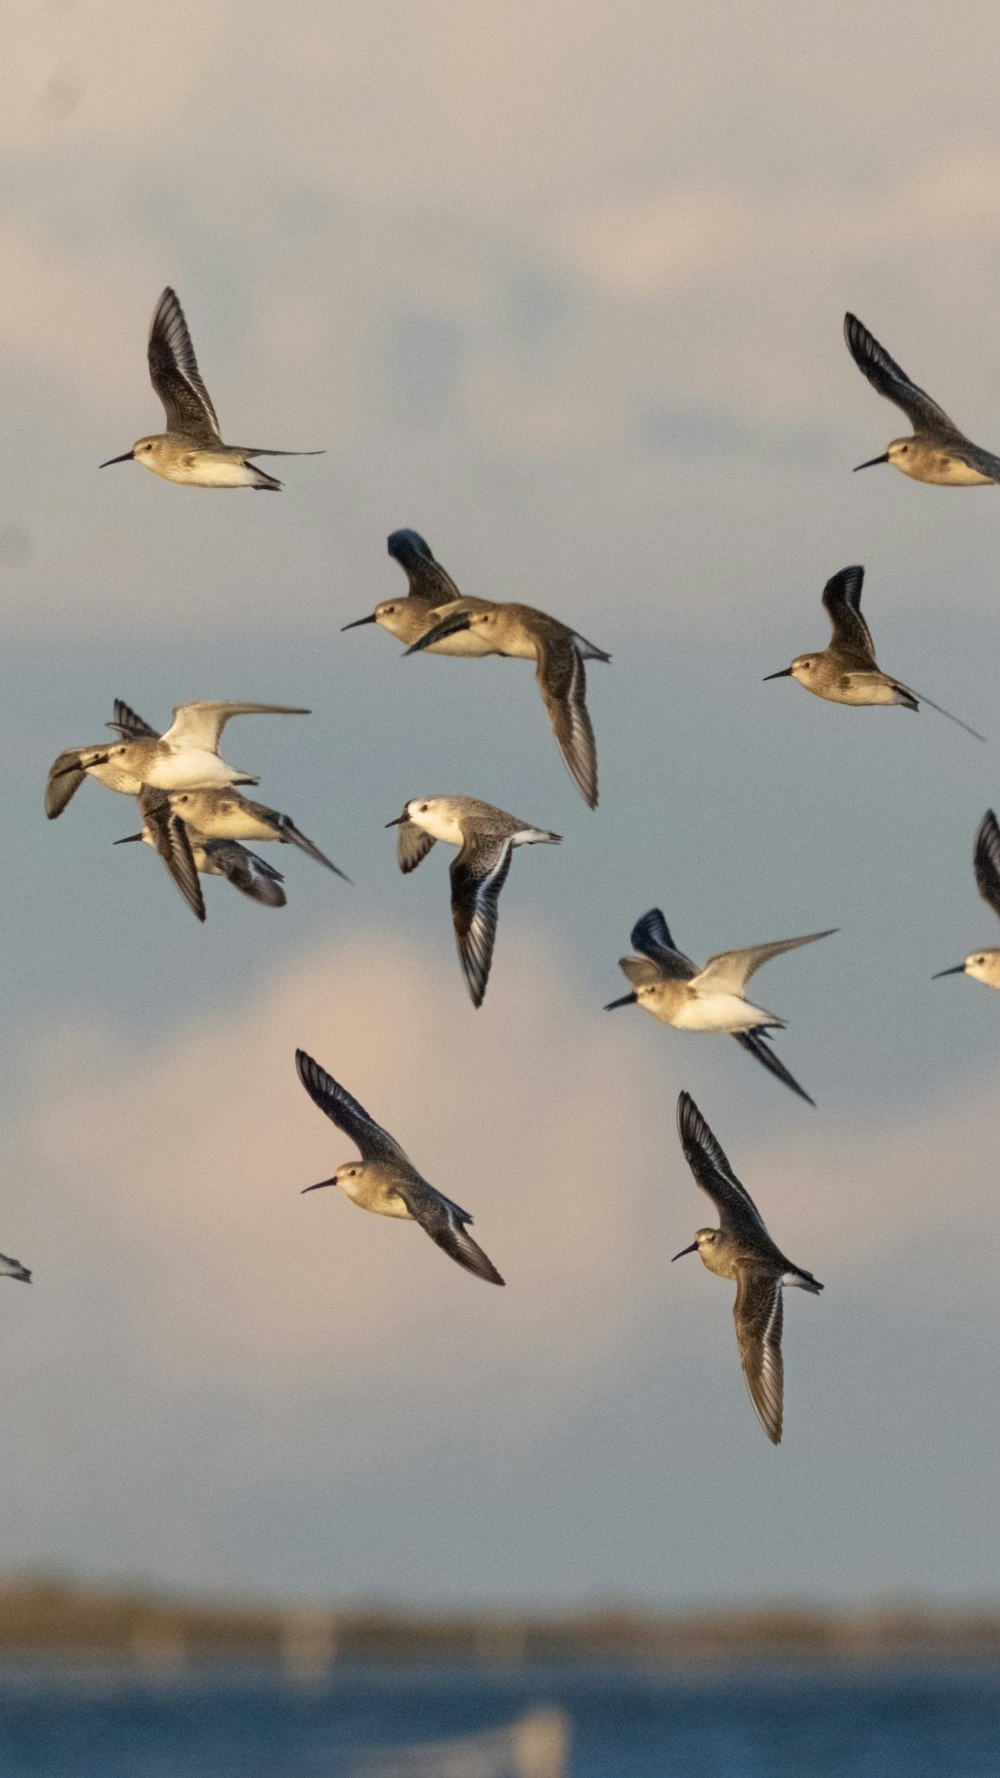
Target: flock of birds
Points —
{"points": [[196, 818]]}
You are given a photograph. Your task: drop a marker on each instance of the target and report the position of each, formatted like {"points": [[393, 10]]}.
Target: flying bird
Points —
{"points": [[522, 633], [937, 452], [984, 966], [678, 993], [226, 815], [486, 837], [385, 1180], [188, 854], [12, 1268], [191, 450], [432, 593], [847, 672], [185, 757], [741, 1248]]}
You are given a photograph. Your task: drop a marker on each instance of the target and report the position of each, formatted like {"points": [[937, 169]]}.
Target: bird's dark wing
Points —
{"points": [[427, 579], [737, 1211], [174, 373], [446, 1224], [842, 603], [987, 861], [170, 837], [478, 874], [758, 1315], [755, 1042], [130, 726], [651, 936], [375, 1143], [562, 680], [248, 873], [412, 845], [886, 376], [63, 781]]}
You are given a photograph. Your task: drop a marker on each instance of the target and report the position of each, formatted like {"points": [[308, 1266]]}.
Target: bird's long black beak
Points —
{"points": [[400, 820], [692, 1249], [959, 969], [126, 457], [129, 837], [626, 1000], [785, 673], [872, 462], [358, 621], [313, 1188], [450, 627]]}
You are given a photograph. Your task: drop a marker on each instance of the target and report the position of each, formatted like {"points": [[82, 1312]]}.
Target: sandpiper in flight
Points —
{"points": [[741, 1248], [984, 966], [521, 632], [184, 851], [385, 1180], [185, 757], [938, 452], [12, 1268], [191, 450], [226, 815], [847, 672], [672, 988], [487, 837], [432, 595]]}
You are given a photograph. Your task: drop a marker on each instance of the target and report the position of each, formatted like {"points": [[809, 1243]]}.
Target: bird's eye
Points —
{"points": [[423, 809]]}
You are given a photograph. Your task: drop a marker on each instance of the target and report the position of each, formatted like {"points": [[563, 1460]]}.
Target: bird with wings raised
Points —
{"points": [[191, 450], [385, 1180], [741, 1249], [846, 671], [678, 993]]}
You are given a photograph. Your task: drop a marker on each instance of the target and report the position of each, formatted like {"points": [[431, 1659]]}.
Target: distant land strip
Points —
{"points": [[55, 1617]]}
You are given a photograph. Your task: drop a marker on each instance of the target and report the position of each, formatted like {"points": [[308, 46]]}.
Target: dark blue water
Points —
{"points": [[627, 1722]]}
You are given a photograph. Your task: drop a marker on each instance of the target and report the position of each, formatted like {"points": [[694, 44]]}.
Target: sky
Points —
{"points": [[563, 291]]}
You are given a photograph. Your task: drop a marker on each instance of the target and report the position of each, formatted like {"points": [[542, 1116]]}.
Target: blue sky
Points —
{"points": [[565, 295]]}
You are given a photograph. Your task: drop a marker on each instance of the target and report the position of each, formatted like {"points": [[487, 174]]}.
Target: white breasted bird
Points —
{"points": [[741, 1248], [385, 1180], [486, 838], [191, 450], [185, 757], [678, 993], [984, 966]]}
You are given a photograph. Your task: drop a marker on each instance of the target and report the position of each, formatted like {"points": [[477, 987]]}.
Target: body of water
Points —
{"points": [[792, 1721]]}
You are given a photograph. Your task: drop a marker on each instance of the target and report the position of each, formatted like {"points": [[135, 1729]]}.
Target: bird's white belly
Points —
{"points": [[190, 769], [440, 825], [717, 1012], [862, 688]]}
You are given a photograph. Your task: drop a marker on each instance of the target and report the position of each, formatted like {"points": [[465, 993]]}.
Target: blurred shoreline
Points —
{"points": [[158, 1631]]}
